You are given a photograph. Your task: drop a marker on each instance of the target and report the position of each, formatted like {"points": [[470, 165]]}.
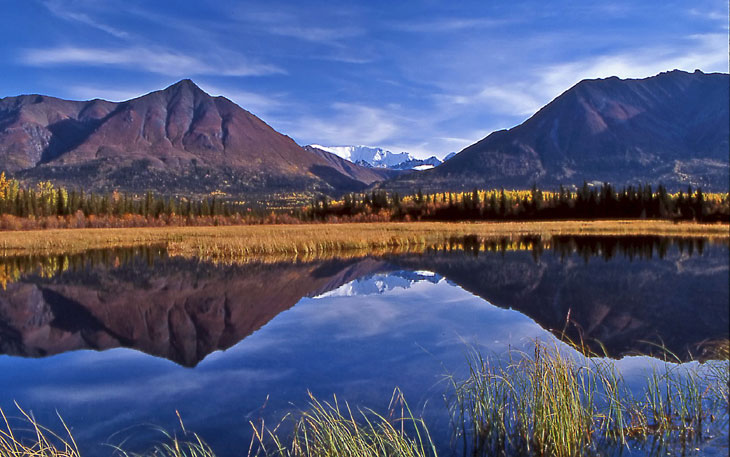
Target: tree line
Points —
{"points": [[46, 206], [587, 202]]}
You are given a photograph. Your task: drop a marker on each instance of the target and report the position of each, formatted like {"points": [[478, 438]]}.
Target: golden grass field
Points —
{"points": [[323, 239]]}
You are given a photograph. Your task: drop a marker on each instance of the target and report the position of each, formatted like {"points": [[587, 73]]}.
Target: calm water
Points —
{"points": [[118, 340]]}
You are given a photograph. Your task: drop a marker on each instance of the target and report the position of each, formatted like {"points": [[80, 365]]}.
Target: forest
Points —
{"points": [[47, 206]]}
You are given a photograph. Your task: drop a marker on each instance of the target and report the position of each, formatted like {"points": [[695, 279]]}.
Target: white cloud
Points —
{"points": [[713, 15], [81, 92], [154, 60], [63, 11], [293, 26], [350, 124], [322, 35], [250, 101], [524, 96], [707, 52], [449, 25]]}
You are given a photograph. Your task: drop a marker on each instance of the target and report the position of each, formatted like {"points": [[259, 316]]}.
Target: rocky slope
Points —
{"points": [[672, 128], [179, 139]]}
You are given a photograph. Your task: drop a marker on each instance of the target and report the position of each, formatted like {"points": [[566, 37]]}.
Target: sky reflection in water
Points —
{"points": [[392, 326]]}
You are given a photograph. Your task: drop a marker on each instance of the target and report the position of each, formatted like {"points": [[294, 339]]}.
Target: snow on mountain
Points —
{"points": [[380, 158]]}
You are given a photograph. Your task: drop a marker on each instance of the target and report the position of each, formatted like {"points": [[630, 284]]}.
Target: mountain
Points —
{"points": [[671, 128], [380, 158], [179, 139], [358, 172]]}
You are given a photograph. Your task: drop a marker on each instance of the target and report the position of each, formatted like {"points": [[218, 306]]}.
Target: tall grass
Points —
{"points": [[307, 239], [34, 440], [327, 429], [548, 403]]}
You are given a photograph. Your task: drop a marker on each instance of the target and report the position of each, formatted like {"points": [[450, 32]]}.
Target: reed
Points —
{"points": [[327, 429], [36, 440], [311, 239], [548, 403]]}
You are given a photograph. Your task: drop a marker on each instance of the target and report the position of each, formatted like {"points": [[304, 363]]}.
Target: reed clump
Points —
{"points": [[328, 429], [547, 403], [35, 440]]}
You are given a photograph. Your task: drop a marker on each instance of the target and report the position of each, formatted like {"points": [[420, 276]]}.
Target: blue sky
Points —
{"points": [[428, 77]]}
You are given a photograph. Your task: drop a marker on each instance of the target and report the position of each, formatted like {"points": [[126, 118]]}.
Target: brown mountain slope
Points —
{"points": [[179, 139], [671, 128]]}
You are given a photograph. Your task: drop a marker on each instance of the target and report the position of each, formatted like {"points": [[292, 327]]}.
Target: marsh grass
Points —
{"points": [[233, 242], [330, 429], [30, 439], [188, 445], [548, 403]]}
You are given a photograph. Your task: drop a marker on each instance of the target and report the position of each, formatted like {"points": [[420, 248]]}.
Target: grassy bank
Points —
{"points": [[307, 239]]}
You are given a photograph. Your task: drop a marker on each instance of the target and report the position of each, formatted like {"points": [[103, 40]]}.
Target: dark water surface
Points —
{"points": [[117, 340]]}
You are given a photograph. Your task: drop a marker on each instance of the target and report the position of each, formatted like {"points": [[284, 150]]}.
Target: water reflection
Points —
{"points": [[649, 292], [360, 327]]}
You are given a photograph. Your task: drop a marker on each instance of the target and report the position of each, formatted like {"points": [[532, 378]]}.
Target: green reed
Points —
{"points": [[328, 429], [548, 403]]}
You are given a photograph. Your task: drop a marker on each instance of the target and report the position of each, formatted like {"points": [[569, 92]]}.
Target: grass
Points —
{"points": [[549, 404], [235, 242], [329, 430], [37, 440]]}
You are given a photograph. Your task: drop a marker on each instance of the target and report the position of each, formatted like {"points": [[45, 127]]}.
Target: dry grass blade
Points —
{"points": [[30, 439]]}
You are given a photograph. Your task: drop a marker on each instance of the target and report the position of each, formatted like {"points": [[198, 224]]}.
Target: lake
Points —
{"points": [[117, 341]]}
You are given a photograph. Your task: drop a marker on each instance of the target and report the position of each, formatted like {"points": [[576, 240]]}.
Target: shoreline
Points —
{"points": [[297, 239]]}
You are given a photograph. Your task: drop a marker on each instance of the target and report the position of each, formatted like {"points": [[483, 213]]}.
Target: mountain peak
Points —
{"points": [[185, 85], [671, 128]]}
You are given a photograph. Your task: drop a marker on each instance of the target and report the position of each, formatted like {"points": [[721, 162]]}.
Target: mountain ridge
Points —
{"points": [[671, 128], [178, 139], [375, 157]]}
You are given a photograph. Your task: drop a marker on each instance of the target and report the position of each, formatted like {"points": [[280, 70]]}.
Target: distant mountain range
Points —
{"points": [[380, 158], [671, 128], [176, 140]]}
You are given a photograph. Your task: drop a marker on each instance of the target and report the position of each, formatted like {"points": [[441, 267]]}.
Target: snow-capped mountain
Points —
{"points": [[380, 158]]}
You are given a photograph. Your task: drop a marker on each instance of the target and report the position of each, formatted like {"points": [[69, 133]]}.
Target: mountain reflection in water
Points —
{"points": [[628, 293]]}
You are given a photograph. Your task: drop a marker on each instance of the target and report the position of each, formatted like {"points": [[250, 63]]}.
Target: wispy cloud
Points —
{"points": [[254, 102], [525, 95], [704, 51], [294, 26], [154, 60], [88, 92], [448, 25], [64, 11], [712, 14], [328, 36], [350, 124]]}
